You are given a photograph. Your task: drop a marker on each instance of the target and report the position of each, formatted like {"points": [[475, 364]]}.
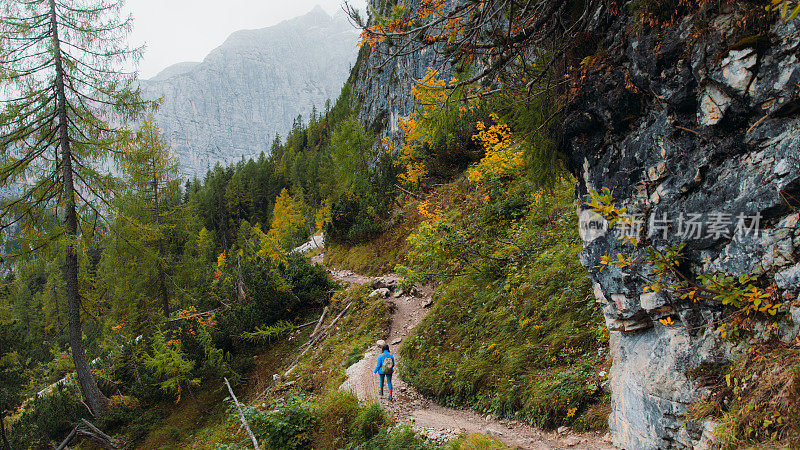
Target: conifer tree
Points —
{"points": [[64, 98], [11, 380], [150, 168], [287, 219]]}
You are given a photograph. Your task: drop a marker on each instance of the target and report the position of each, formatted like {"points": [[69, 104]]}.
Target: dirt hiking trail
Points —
{"points": [[409, 407]]}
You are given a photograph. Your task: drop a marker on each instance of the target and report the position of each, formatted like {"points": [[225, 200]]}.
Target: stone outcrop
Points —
{"points": [[689, 127], [251, 88]]}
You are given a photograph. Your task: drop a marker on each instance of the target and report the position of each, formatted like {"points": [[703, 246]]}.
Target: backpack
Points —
{"points": [[388, 365]]}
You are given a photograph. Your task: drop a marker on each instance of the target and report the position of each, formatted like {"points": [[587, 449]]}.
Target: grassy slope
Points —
{"points": [[379, 255], [366, 322], [517, 339], [183, 425], [755, 400]]}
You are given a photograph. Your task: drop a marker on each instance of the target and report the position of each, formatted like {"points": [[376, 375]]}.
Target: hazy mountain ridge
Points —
{"points": [[251, 87]]}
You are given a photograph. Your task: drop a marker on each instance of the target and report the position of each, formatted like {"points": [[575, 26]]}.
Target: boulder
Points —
{"points": [[382, 293], [383, 282]]}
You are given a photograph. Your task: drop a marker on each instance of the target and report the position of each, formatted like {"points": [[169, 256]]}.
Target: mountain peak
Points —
{"points": [[317, 10], [316, 15], [250, 88]]}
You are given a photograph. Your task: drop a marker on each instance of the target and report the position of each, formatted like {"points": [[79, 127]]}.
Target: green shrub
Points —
{"points": [[336, 413], [346, 423], [48, 417], [351, 220], [358, 215], [371, 419], [310, 282], [274, 293], [289, 424], [397, 439]]}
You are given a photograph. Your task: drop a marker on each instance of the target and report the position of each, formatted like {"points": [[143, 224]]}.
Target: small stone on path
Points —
{"points": [[381, 292]]}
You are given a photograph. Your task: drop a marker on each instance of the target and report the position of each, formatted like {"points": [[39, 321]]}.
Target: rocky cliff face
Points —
{"points": [[693, 130], [383, 85], [251, 88]]}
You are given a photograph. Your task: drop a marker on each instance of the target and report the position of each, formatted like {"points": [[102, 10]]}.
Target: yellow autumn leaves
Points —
{"points": [[503, 157], [429, 93]]}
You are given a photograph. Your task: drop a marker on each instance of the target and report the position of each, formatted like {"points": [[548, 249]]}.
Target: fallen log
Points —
{"points": [[69, 438], [319, 322], [241, 416], [314, 340], [96, 435]]}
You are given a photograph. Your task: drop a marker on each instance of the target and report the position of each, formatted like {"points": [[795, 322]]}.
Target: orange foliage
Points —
{"points": [[430, 9], [370, 37], [195, 320]]}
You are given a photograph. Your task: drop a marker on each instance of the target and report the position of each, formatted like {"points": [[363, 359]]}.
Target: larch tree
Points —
{"points": [[11, 379], [287, 218], [151, 168], [65, 101]]}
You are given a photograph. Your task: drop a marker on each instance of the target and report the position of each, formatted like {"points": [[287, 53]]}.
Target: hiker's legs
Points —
{"points": [[382, 376], [389, 379]]}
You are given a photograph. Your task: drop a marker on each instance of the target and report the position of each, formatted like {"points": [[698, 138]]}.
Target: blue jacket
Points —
{"points": [[379, 367]]}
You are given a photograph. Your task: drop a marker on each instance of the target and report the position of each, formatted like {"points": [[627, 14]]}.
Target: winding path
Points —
{"points": [[437, 422]]}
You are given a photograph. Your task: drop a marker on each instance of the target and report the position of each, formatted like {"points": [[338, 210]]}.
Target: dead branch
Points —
{"points": [[314, 340], [241, 416], [96, 435], [69, 437], [319, 322]]}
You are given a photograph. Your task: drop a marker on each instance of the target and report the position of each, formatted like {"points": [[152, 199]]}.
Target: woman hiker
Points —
{"points": [[385, 368]]}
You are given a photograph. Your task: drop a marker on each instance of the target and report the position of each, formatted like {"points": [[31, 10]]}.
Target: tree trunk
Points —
{"points": [[194, 399], [58, 311], [6, 445], [94, 398], [240, 293], [161, 274]]}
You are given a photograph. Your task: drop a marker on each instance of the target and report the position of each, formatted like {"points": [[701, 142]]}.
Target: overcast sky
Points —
{"points": [[187, 30]]}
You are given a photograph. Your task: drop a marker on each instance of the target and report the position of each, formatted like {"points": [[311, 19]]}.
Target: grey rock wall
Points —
{"points": [[700, 127], [251, 88], [383, 85]]}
